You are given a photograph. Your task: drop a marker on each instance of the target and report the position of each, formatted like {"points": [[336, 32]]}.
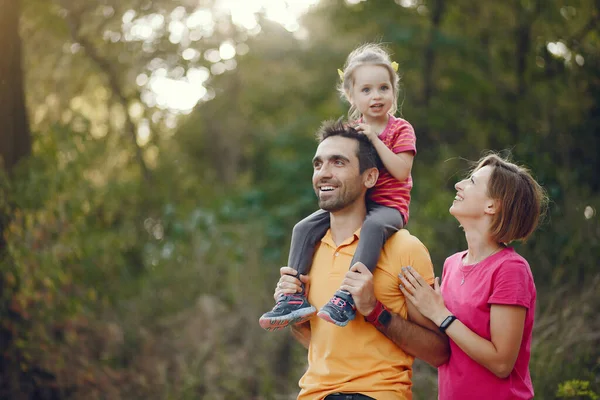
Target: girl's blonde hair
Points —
{"points": [[367, 54]]}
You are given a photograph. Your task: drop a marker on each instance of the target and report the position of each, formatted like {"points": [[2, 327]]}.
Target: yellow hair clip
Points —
{"points": [[341, 74]]}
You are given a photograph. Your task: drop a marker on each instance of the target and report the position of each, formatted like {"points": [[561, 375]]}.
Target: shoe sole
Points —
{"points": [[325, 315], [295, 317]]}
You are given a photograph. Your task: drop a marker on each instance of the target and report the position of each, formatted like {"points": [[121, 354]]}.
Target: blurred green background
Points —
{"points": [[157, 155]]}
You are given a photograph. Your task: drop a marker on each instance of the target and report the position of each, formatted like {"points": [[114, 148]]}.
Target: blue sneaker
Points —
{"points": [[290, 309], [340, 310]]}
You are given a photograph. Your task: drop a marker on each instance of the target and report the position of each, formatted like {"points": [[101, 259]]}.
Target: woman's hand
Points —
{"points": [[426, 299]]}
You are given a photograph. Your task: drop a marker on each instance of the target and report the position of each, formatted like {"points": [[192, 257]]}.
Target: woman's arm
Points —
{"points": [[500, 354], [507, 323]]}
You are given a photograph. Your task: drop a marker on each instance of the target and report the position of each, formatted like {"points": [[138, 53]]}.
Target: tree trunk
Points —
{"points": [[437, 12], [15, 139], [15, 144]]}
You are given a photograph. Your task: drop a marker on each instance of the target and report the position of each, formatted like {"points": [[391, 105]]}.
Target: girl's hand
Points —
{"points": [[428, 300], [367, 131]]}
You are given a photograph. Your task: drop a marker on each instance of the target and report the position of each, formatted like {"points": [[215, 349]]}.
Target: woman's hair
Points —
{"points": [[367, 54], [522, 201]]}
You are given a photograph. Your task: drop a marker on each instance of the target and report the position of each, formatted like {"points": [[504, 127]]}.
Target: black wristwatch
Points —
{"points": [[380, 316], [446, 323]]}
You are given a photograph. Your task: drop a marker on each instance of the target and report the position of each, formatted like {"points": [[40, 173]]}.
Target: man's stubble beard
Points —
{"points": [[340, 202]]}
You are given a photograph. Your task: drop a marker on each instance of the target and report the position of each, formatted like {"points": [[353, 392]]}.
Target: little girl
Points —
{"points": [[369, 82]]}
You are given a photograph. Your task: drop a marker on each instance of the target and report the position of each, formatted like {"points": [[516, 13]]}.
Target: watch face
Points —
{"points": [[385, 317]]}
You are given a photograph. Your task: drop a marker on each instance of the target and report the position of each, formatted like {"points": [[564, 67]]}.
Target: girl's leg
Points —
{"points": [[295, 308], [305, 237], [380, 223]]}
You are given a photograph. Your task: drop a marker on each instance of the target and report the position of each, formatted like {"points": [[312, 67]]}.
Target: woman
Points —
{"points": [[486, 303]]}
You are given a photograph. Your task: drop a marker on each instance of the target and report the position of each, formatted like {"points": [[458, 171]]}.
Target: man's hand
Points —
{"points": [[359, 282], [288, 282]]}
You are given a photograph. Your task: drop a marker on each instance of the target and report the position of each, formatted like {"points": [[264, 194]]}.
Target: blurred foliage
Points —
{"points": [[143, 243], [576, 389]]}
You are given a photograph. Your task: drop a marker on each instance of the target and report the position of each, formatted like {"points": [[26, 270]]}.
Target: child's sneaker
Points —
{"points": [[290, 309], [340, 310]]}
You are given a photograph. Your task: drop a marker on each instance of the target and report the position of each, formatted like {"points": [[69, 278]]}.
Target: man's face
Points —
{"points": [[336, 178]]}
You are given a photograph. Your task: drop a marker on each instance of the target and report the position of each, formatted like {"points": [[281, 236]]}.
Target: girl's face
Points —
{"points": [[372, 93], [472, 200]]}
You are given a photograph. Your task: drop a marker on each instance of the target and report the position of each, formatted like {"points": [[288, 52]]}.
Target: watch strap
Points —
{"points": [[446, 323], [380, 316]]}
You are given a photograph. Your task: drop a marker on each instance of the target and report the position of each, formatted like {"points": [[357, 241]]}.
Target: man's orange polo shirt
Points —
{"points": [[358, 358]]}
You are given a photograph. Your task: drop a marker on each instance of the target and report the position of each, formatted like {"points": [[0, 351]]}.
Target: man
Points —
{"points": [[371, 357]]}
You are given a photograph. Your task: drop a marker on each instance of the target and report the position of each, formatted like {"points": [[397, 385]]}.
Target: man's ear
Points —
{"points": [[370, 177]]}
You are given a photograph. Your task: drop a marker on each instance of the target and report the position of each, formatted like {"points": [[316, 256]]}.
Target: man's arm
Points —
{"points": [[417, 336], [288, 284], [301, 332]]}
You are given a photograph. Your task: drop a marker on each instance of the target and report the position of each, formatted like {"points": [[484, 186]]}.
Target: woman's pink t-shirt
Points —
{"points": [[504, 278]]}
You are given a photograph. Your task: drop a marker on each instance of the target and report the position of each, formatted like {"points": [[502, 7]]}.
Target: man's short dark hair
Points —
{"points": [[366, 153]]}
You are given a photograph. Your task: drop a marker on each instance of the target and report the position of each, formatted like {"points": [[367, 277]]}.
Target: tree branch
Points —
{"points": [[74, 23]]}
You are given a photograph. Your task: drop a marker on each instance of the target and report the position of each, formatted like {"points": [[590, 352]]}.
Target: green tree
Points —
{"points": [[15, 140], [158, 233], [15, 145]]}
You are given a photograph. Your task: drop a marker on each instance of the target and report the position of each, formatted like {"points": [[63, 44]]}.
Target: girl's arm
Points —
{"points": [[507, 323], [398, 165]]}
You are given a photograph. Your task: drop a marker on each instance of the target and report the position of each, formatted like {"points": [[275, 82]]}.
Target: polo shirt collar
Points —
{"points": [[328, 239]]}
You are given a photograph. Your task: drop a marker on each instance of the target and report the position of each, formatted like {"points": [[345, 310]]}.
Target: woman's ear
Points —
{"points": [[370, 177], [492, 207]]}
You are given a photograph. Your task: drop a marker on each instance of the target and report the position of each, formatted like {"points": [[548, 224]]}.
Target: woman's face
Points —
{"points": [[472, 199]]}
